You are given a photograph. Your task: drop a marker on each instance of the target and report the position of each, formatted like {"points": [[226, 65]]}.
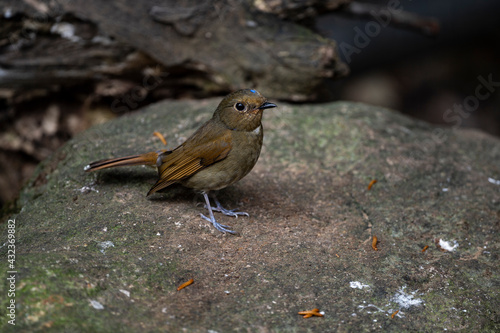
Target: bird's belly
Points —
{"points": [[235, 166]]}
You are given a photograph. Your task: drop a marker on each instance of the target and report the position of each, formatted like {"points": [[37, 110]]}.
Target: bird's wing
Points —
{"points": [[198, 152]]}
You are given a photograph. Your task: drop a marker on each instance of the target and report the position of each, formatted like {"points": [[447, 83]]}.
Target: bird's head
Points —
{"points": [[242, 110]]}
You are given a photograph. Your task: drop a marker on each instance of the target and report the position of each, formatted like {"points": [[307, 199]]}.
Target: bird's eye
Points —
{"points": [[239, 106]]}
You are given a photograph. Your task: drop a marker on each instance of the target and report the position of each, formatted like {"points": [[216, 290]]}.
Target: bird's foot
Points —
{"points": [[221, 227], [227, 212], [219, 208]]}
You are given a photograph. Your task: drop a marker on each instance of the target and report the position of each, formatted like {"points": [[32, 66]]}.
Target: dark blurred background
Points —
{"points": [[433, 78], [425, 76]]}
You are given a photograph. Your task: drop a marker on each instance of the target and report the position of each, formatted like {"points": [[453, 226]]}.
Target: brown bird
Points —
{"points": [[218, 154]]}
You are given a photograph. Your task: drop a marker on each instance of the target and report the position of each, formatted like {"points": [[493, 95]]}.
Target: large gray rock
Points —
{"points": [[94, 254]]}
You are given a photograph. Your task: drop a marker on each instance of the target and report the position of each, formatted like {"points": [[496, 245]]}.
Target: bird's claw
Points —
{"points": [[221, 227]]}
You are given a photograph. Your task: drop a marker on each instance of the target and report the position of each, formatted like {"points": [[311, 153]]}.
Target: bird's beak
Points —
{"points": [[267, 105]]}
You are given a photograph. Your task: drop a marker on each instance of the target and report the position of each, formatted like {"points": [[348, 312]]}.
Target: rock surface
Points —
{"points": [[94, 254]]}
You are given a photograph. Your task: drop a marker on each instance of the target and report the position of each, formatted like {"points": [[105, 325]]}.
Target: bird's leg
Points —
{"points": [[228, 212], [211, 219]]}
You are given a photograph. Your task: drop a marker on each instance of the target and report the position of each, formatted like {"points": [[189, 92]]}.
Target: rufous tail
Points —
{"points": [[144, 159]]}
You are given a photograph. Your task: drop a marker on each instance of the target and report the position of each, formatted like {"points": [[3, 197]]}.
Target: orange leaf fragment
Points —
{"points": [[185, 284], [374, 243], [161, 137], [371, 184], [310, 313]]}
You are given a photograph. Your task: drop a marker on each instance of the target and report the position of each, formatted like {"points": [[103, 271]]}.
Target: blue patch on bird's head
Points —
{"points": [[253, 90]]}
